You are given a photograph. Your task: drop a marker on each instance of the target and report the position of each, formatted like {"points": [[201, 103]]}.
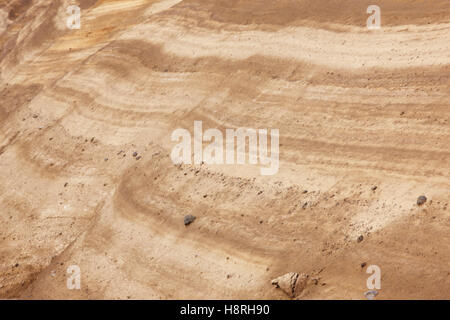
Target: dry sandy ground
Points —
{"points": [[355, 109]]}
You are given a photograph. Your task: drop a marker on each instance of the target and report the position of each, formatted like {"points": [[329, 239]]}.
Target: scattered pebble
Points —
{"points": [[360, 238], [421, 200], [374, 188], [135, 154], [188, 219]]}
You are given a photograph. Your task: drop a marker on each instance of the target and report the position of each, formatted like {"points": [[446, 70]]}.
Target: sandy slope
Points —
{"points": [[355, 109]]}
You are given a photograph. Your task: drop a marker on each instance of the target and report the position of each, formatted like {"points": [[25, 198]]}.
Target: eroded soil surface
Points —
{"points": [[356, 109]]}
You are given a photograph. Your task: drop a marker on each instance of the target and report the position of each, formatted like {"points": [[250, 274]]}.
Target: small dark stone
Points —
{"points": [[138, 157], [16, 265], [66, 184], [363, 264], [188, 219], [305, 191], [360, 238], [421, 200], [374, 188], [135, 154]]}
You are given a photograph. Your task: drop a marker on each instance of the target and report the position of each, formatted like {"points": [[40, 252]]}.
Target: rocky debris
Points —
{"points": [[363, 264], [135, 154], [138, 157], [371, 294], [291, 283], [360, 238], [188, 219], [315, 281], [374, 188], [421, 200], [305, 191], [35, 116]]}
